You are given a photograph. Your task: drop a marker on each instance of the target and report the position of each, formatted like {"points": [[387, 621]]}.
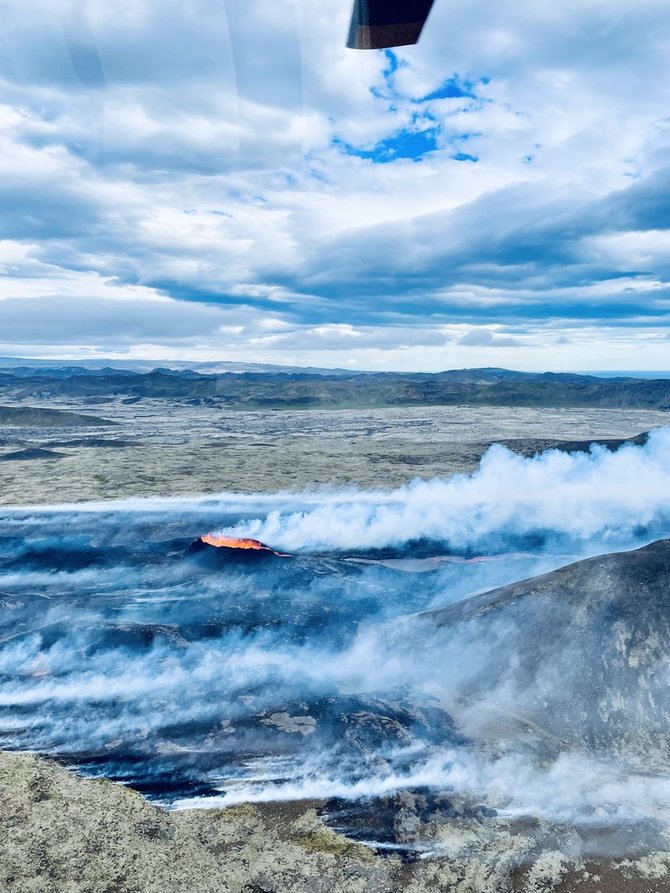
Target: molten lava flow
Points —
{"points": [[233, 542]]}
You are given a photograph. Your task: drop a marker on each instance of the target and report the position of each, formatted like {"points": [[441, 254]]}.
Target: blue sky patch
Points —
{"points": [[393, 64], [452, 88], [412, 144]]}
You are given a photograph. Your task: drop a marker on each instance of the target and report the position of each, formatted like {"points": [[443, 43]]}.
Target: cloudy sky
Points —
{"points": [[223, 180]]}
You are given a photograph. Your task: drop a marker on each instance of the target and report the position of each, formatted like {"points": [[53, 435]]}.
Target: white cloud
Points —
{"points": [[198, 151], [639, 250]]}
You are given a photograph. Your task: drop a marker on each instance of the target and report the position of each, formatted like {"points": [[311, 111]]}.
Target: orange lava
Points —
{"points": [[232, 542]]}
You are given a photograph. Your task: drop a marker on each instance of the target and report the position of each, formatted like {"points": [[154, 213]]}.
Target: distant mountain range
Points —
{"points": [[279, 388], [27, 365]]}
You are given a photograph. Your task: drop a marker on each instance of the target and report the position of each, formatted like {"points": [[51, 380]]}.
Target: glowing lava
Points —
{"points": [[233, 542]]}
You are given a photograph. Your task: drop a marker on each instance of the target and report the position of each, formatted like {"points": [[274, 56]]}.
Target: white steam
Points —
{"points": [[575, 787], [599, 494]]}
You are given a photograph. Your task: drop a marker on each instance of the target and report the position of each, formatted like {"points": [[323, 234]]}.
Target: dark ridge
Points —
{"points": [[601, 626], [531, 447], [30, 454], [99, 442], [630, 575], [36, 417]]}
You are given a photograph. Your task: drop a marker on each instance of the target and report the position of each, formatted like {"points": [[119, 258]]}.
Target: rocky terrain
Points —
{"points": [[600, 626], [60, 833]]}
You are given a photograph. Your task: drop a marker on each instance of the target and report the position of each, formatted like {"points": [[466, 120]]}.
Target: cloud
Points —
{"points": [[477, 336], [509, 168]]}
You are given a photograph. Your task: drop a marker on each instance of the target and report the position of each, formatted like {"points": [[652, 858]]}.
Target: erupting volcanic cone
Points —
{"points": [[235, 547], [233, 542]]}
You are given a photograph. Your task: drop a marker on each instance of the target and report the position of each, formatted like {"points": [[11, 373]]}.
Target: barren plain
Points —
{"points": [[159, 447]]}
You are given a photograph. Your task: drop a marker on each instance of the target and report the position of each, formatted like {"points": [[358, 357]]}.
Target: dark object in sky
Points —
{"points": [[376, 24]]}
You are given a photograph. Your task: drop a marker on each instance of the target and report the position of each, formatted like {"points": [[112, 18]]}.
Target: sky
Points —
{"points": [[224, 180]]}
